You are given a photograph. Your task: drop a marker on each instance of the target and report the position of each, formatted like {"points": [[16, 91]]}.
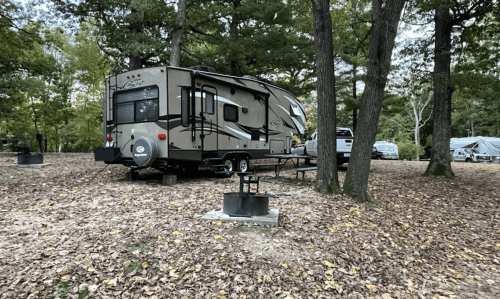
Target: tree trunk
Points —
{"points": [[384, 29], [135, 63], [233, 32], [327, 180], [175, 51], [354, 96], [440, 164]]}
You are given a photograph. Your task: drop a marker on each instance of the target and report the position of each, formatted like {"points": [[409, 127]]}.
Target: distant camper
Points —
{"points": [[388, 150], [168, 117]]}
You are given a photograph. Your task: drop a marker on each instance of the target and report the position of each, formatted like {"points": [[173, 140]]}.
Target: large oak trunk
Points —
{"points": [[327, 180], [440, 163], [386, 20]]}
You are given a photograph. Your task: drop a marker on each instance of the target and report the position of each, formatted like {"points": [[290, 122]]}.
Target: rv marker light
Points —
{"points": [[162, 136], [138, 75], [133, 76], [128, 77]]}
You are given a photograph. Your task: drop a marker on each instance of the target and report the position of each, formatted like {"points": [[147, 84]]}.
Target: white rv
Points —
{"points": [[475, 149], [388, 149], [168, 117]]}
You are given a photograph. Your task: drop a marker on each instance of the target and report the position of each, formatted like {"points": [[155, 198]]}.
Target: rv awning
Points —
{"points": [[234, 83]]}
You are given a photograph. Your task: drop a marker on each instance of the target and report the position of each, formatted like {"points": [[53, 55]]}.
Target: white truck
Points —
{"points": [[470, 155], [345, 139]]}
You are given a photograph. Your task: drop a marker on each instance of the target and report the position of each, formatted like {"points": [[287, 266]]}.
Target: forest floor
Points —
{"points": [[63, 236]]}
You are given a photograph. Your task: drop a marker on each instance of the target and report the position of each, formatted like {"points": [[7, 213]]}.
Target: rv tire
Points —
{"points": [[242, 164], [228, 161]]}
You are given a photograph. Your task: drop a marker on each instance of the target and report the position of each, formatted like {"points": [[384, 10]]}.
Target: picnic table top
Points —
{"points": [[286, 156]]}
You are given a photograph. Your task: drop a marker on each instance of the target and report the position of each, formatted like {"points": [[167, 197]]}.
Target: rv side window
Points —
{"points": [[185, 107], [230, 113], [209, 103]]}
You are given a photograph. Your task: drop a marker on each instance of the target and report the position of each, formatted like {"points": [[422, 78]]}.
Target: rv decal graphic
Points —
{"points": [[300, 128], [292, 102], [224, 100], [247, 136], [218, 98], [132, 83], [275, 122], [262, 130]]}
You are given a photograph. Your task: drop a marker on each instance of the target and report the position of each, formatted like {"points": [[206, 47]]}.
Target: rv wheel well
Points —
{"points": [[236, 156]]}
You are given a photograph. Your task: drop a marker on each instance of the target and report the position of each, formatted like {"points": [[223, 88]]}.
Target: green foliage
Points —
{"points": [[372, 203], [62, 288], [409, 150], [83, 294]]}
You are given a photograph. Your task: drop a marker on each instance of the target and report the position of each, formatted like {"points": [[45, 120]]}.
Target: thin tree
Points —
{"points": [[418, 105], [327, 180], [386, 15]]}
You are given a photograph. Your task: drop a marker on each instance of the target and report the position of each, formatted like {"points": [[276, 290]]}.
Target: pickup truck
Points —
{"points": [[345, 138], [470, 155]]}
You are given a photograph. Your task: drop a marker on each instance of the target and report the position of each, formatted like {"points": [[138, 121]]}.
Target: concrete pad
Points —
{"points": [[37, 166], [270, 219]]}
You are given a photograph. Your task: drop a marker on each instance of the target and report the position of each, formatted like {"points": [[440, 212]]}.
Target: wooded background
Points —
{"points": [[54, 57]]}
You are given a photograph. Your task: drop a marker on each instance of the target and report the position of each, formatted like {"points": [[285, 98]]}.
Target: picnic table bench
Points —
{"points": [[303, 170], [276, 166]]}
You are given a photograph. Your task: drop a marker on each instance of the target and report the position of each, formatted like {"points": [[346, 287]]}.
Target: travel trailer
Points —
{"points": [[475, 149], [169, 117], [388, 149]]}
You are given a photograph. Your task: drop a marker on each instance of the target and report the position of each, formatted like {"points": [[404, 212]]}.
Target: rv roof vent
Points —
{"points": [[203, 69]]}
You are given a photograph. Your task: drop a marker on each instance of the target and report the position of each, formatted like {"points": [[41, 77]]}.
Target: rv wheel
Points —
{"points": [[229, 164], [242, 164]]}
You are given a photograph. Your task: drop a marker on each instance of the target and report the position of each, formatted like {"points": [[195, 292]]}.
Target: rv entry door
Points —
{"points": [[209, 120]]}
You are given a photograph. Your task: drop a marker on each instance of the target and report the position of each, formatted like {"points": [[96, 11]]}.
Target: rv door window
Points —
{"points": [[230, 113], [209, 103], [185, 107]]}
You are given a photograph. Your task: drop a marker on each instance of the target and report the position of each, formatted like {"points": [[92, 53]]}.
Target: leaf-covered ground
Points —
{"points": [[63, 236]]}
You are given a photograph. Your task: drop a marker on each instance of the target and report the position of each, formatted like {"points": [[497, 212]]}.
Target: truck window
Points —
{"points": [[230, 113], [344, 133], [185, 107]]}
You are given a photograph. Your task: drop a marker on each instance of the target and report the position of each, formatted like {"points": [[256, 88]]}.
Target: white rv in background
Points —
{"points": [[475, 149], [388, 149], [169, 117]]}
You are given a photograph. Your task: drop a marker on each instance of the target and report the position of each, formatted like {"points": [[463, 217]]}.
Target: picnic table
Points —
{"points": [[285, 159]]}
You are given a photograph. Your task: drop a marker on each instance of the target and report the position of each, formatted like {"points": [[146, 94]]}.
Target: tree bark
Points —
{"points": [[327, 180], [233, 32], [175, 51], [354, 96], [440, 164], [384, 29]]}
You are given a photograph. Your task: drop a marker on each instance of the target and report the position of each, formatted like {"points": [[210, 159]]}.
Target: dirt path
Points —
{"points": [[421, 237]]}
